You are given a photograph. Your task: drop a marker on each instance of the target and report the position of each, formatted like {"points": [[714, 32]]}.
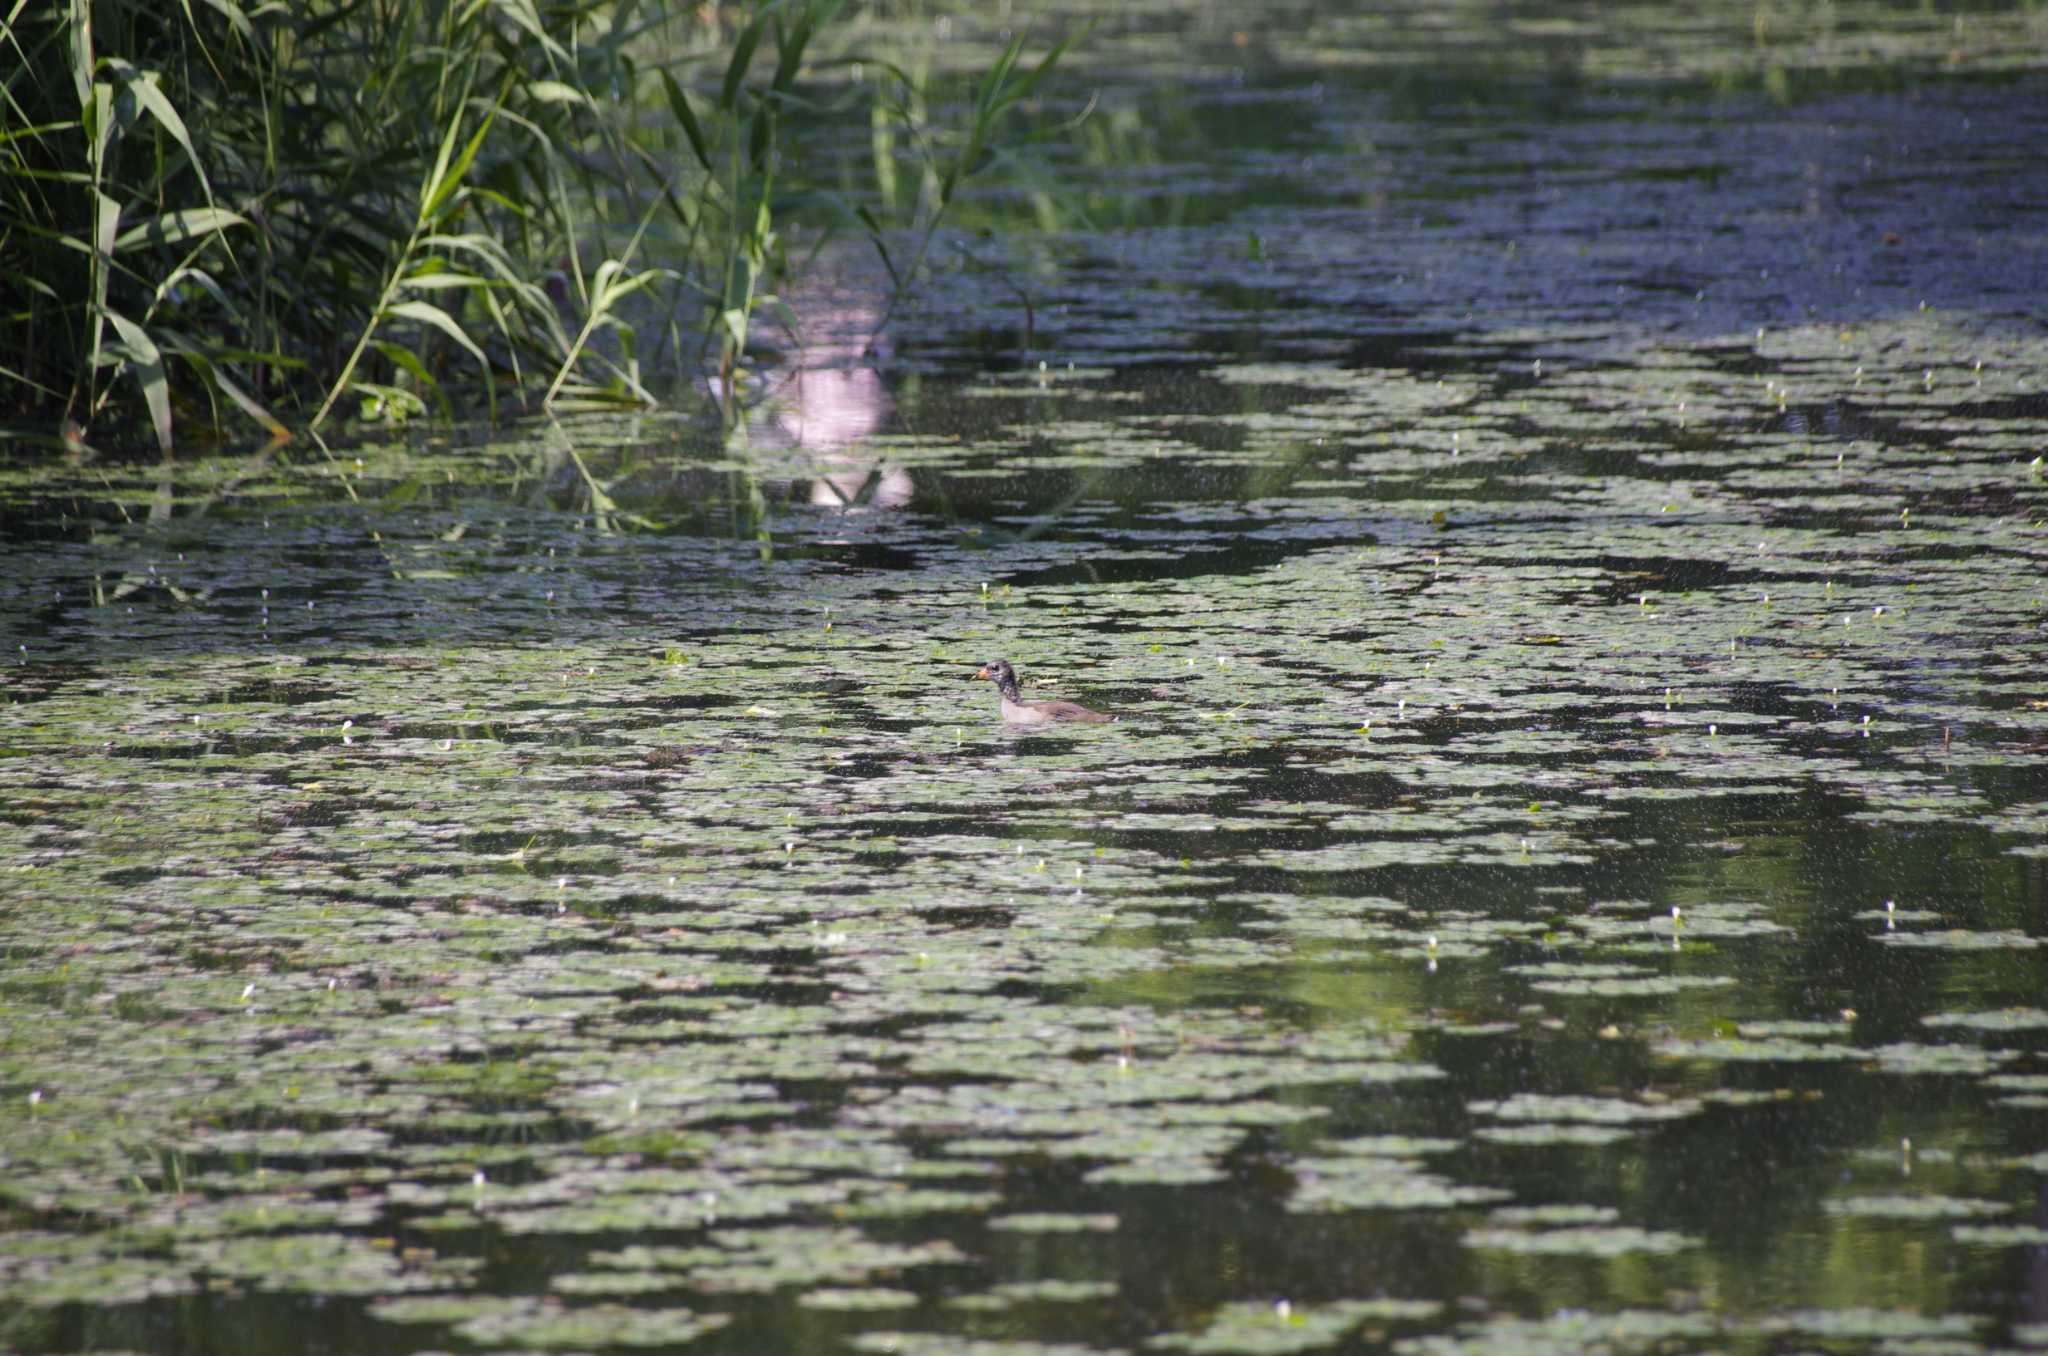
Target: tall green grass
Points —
{"points": [[223, 215]]}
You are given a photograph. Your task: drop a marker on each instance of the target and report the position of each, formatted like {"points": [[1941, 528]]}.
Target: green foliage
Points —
{"points": [[304, 208]]}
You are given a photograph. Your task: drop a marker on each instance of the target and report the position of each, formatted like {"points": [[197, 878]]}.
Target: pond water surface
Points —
{"points": [[1568, 874]]}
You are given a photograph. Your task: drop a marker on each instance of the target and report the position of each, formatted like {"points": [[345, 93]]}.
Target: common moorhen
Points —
{"points": [[1017, 711]]}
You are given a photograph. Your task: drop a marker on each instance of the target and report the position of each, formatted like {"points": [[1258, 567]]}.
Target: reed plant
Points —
{"points": [[305, 210]]}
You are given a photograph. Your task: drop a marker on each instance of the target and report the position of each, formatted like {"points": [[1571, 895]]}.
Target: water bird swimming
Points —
{"points": [[1017, 711]]}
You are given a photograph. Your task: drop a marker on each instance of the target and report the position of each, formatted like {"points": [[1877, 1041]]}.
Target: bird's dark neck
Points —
{"points": [[1007, 685]]}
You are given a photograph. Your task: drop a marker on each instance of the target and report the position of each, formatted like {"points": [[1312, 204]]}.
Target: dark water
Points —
{"points": [[1568, 559]]}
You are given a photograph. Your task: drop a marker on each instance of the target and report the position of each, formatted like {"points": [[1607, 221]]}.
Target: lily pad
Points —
{"points": [[1280, 1327], [1913, 1207], [1614, 1240], [2002, 1019]]}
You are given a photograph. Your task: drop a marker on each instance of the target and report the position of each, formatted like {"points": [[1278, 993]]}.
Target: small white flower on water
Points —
{"points": [[477, 1179], [348, 724], [35, 1096], [330, 986], [1282, 1310], [447, 744], [248, 991]]}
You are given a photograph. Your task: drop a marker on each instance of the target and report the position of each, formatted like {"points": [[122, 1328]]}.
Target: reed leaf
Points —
{"points": [[173, 228], [141, 354]]}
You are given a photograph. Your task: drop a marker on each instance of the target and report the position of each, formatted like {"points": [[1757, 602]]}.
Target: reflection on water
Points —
{"points": [[827, 398]]}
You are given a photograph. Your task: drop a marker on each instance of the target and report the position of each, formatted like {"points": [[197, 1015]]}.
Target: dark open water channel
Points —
{"points": [[1569, 559]]}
